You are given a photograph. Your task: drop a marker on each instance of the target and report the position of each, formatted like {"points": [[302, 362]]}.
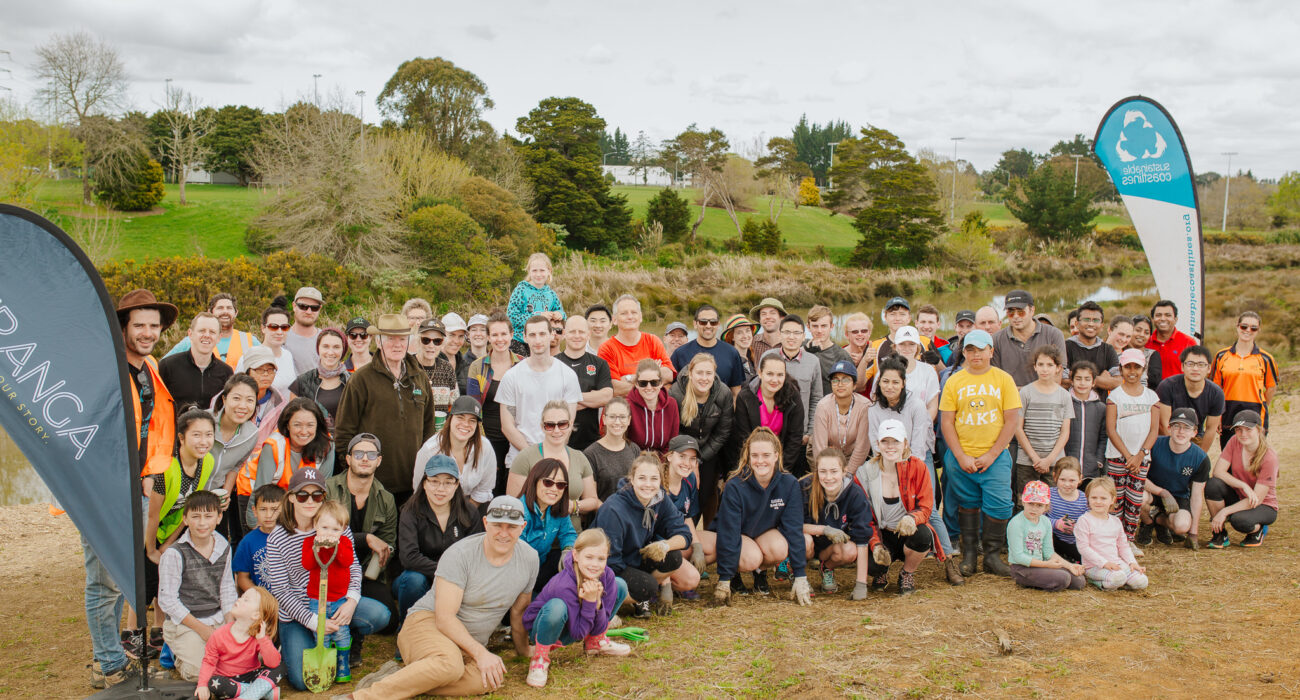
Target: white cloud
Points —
{"points": [[598, 54]]}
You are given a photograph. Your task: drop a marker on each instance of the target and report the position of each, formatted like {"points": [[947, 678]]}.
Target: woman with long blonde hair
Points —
{"points": [[706, 411]]}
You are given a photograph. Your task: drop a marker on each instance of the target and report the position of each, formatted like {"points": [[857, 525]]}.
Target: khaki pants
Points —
{"points": [[434, 665], [187, 646]]}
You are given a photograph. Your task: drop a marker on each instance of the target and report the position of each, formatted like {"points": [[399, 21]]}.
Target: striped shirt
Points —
{"points": [[1062, 508], [287, 578], [1044, 415]]}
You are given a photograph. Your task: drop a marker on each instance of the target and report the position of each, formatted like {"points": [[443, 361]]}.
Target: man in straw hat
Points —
{"points": [[392, 399]]}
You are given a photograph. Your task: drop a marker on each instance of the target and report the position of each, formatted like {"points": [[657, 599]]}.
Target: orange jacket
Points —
{"points": [[915, 492], [162, 423]]}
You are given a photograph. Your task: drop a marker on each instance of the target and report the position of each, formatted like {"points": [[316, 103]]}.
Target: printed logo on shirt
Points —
{"points": [[591, 370], [1034, 541], [776, 503], [1187, 470]]}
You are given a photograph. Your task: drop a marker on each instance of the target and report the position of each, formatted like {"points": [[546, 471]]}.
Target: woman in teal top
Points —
{"points": [[549, 531]]}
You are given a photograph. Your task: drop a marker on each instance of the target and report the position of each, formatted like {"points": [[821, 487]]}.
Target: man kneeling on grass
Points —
{"points": [[443, 640]]}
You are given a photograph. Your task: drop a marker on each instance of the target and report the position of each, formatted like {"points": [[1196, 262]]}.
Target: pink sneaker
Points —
{"points": [[539, 668], [601, 645]]}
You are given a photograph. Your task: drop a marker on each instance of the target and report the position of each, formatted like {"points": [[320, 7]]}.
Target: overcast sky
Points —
{"points": [[1001, 74]]}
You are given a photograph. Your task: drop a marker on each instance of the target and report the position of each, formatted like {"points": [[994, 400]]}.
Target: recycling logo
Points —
{"points": [[1138, 136]]}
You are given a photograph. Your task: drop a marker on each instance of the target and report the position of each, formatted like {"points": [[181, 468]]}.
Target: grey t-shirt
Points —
{"points": [[303, 350], [489, 591], [1043, 416]]}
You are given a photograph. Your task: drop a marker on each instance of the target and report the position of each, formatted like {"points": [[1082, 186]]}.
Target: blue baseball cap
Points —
{"points": [[978, 338], [441, 464], [844, 367]]}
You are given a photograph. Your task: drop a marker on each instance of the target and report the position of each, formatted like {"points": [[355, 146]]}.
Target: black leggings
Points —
{"points": [[919, 541], [641, 583], [547, 570], [225, 687], [1069, 551], [500, 446], [1246, 521]]}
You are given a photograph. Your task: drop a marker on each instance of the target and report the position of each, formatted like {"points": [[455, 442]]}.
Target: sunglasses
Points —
{"points": [[859, 331], [707, 321], [359, 336], [304, 496], [430, 341], [558, 330], [553, 484], [365, 454], [278, 326], [556, 425], [512, 514], [1248, 329], [646, 383], [308, 307]]}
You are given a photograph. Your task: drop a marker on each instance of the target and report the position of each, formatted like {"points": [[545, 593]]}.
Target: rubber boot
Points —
{"points": [[343, 674], [995, 542], [969, 518]]}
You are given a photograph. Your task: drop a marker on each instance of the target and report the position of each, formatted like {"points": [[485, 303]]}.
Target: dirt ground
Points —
{"points": [[1213, 623]]}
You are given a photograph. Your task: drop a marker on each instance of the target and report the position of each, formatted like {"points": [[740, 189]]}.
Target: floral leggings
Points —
{"points": [[1128, 488]]}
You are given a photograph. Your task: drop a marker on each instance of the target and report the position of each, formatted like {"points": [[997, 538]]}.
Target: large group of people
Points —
{"points": [[528, 474]]}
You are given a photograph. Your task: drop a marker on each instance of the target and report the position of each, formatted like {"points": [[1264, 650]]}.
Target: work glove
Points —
{"points": [[697, 556], [801, 591], [664, 606], [881, 555], [655, 551], [722, 593], [835, 535], [859, 591], [906, 526]]}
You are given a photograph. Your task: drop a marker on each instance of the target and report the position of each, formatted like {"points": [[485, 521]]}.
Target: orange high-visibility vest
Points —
{"points": [[247, 474]]}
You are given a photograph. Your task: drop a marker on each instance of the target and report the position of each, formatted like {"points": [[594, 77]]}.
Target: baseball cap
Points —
{"points": [[892, 429], [357, 323], [1186, 416], [432, 324], [365, 437], [466, 406], [676, 326], [681, 443], [1132, 356], [1036, 492], [979, 338], [907, 334], [1247, 419], [441, 464], [506, 509], [453, 322], [306, 476], [308, 293], [1018, 299], [477, 320], [257, 356], [897, 301], [844, 367], [1044, 318], [965, 315]]}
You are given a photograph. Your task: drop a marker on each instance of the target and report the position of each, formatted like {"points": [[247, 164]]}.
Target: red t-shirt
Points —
{"points": [[340, 574], [1170, 350], [1267, 471], [623, 359]]}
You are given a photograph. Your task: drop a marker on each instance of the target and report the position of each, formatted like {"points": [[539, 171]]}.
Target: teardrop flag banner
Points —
{"points": [[62, 382], [1141, 148]]}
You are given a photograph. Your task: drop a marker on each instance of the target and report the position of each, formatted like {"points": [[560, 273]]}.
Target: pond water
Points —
{"points": [[20, 484]]}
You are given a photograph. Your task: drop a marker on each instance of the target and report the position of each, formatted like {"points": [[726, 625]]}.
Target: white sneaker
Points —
{"points": [[1136, 551], [539, 668], [604, 646]]}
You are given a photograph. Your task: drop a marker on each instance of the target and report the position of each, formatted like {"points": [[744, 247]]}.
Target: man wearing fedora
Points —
{"points": [[768, 313], [392, 399]]}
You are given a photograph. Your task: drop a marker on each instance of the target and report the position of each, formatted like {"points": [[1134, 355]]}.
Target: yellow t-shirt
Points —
{"points": [[977, 402]]}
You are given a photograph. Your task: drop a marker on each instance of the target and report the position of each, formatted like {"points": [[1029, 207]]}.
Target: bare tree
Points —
{"points": [[187, 123], [83, 76]]}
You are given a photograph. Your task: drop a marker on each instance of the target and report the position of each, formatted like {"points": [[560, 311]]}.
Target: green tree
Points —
{"points": [[1047, 204], [760, 237], [452, 248], [434, 95], [512, 234], [140, 190], [561, 150], [703, 156], [781, 171], [1284, 204], [892, 195], [1014, 164], [235, 130], [616, 146], [813, 144], [671, 211]]}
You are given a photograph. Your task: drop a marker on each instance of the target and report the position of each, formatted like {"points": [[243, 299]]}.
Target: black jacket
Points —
{"points": [[189, 384], [421, 542], [713, 424], [791, 435]]}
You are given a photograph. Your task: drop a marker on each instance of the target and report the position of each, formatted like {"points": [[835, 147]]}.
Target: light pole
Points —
{"points": [[952, 207], [361, 105], [602, 157], [830, 179], [1076, 175], [315, 88], [1227, 185]]}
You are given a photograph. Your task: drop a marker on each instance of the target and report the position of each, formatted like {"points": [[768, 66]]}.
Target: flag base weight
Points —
{"points": [[160, 688]]}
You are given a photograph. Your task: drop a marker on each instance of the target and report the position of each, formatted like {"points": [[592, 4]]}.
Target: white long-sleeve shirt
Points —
{"points": [[170, 568]]}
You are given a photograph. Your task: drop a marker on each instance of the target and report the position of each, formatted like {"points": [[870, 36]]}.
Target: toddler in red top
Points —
{"points": [[328, 541], [239, 659]]}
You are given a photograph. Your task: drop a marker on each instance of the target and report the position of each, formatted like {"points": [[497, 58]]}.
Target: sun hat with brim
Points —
{"points": [[1247, 419], [1132, 356], [507, 510], [441, 464], [144, 299], [765, 303], [1036, 492], [257, 356], [390, 324], [736, 321]]}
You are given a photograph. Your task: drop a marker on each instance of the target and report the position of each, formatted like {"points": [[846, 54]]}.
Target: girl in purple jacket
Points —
{"points": [[577, 603]]}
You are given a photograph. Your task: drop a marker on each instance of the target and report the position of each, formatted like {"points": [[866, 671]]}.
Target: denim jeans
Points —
{"points": [[104, 601], [936, 515], [369, 617], [409, 587], [552, 622], [342, 639]]}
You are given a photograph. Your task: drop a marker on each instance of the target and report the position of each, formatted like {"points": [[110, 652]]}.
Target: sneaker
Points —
{"points": [[156, 638], [100, 680], [760, 583], [880, 582], [1169, 503], [539, 668], [1254, 539], [1219, 540], [738, 586], [828, 581], [354, 654], [689, 595], [133, 643], [641, 610], [1191, 543], [600, 645], [782, 571], [615, 622], [1164, 536], [1144, 534], [379, 674], [906, 583]]}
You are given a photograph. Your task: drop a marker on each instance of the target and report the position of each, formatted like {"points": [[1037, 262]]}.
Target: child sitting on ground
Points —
{"points": [[1068, 505], [328, 541], [195, 586], [1107, 558], [251, 551], [240, 660], [577, 603], [1034, 564]]}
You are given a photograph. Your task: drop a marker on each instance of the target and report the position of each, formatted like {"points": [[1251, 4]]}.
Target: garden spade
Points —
{"points": [[320, 663]]}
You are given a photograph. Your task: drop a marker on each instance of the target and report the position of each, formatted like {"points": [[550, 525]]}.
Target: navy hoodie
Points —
{"points": [[848, 512], [748, 509], [623, 519]]}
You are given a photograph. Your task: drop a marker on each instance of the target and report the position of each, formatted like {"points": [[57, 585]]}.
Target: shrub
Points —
{"points": [[671, 255], [809, 195], [259, 241], [1224, 237], [511, 232], [672, 211], [760, 237], [971, 247], [449, 245], [1120, 236], [141, 190]]}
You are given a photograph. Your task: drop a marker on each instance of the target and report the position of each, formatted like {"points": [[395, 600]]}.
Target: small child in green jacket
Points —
{"points": [[1029, 546]]}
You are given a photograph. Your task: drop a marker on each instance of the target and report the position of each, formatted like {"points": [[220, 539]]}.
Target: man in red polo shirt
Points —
{"points": [[1167, 340]]}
